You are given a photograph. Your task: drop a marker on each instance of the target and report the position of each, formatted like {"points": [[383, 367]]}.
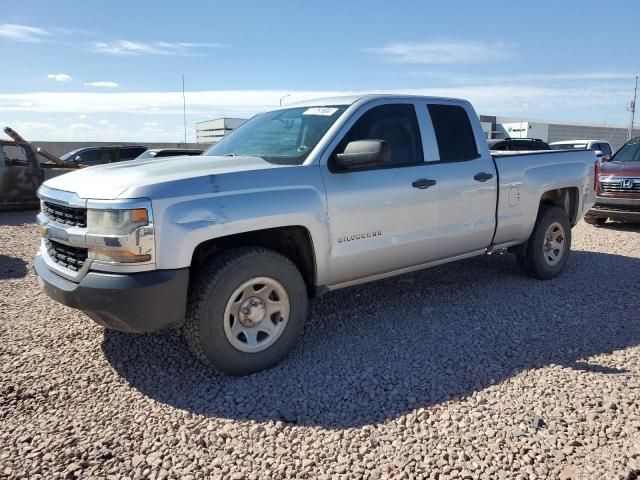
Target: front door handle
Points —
{"points": [[423, 183], [483, 176]]}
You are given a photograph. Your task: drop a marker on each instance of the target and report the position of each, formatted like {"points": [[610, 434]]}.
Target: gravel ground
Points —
{"points": [[463, 371]]}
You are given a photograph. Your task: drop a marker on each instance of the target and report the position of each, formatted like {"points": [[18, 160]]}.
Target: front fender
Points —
{"points": [[185, 222]]}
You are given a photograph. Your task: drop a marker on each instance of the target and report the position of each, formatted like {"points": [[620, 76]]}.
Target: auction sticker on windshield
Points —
{"points": [[324, 111]]}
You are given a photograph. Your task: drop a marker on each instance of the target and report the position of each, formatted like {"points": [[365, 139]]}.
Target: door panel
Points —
{"points": [[379, 221], [468, 179], [467, 206], [383, 218]]}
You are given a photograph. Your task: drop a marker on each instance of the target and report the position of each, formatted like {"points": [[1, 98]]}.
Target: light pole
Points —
{"points": [[632, 108], [287, 95]]}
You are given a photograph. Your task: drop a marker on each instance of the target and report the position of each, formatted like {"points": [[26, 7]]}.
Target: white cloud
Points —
{"points": [[60, 77], [102, 84], [488, 98], [157, 116], [444, 52], [128, 47], [23, 33], [82, 127]]}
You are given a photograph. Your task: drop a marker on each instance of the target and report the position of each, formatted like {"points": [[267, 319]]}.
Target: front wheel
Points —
{"points": [[246, 310], [547, 250]]}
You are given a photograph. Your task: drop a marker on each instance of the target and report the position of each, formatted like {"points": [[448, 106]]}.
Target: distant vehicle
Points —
{"points": [[298, 201], [602, 147], [517, 144], [89, 156], [21, 172], [168, 152], [618, 187]]}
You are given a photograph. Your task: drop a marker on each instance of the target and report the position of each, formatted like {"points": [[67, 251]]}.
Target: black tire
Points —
{"points": [[212, 288], [595, 220], [532, 260]]}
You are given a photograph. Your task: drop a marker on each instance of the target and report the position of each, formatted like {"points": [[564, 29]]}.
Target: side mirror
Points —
{"points": [[364, 153], [598, 153], [606, 158], [77, 158]]}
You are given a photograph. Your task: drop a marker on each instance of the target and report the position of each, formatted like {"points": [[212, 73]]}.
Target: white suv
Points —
{"points": [[602, 147]]}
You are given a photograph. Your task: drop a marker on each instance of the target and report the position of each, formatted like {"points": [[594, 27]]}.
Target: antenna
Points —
{"points": [[632, 108], [184, 113]]}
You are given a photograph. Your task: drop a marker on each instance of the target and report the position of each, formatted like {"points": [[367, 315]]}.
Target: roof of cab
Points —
{"points": [[569, 142], [351, 99]]}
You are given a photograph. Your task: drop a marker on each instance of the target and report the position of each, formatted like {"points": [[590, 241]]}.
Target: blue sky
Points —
{"points": [[112, 70]]}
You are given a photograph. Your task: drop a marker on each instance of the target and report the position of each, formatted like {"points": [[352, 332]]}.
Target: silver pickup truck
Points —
{"points": [[228, 247]]}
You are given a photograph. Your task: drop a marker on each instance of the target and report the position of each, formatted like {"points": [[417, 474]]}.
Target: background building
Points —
{"points": [[554, 131], [212, 131]]}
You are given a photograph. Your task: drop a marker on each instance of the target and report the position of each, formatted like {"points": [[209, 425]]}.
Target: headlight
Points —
{"points": [[116, 222], [120, 235]]}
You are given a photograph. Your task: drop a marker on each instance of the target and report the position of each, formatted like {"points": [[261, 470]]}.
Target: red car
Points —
{"points": [[618, 187]]}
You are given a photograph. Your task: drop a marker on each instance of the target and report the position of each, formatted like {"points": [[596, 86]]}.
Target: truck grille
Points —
{"points": [[72, 258], [76, 217], [618, 186]]}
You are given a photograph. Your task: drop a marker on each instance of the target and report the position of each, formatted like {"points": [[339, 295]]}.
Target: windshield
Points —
{"points": [[569, 146], [147, 154], [71, 154], [281, 136], [630, 152]]}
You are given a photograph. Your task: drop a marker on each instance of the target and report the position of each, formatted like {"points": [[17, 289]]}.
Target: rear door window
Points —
{"points": [[90, 157], [454, 134], [130, 153], [605, 148]]}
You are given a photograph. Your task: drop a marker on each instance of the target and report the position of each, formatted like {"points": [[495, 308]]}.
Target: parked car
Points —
{"points": [[618, 187], [21, 172], [168, 152], [517, 144], [299, 201], [89, 156], [602, 147]]}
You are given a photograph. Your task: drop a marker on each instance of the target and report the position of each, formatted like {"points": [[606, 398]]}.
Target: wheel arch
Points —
{"points": [[566, 198], [294, 242]]}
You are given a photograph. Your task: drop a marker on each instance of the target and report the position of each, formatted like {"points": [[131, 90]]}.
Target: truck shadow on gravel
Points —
{"points": [[621, 226], [375, 352], [12, 267]]}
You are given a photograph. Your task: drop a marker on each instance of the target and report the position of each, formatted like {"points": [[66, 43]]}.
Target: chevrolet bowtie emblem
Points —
{"points": [[42, 230]]}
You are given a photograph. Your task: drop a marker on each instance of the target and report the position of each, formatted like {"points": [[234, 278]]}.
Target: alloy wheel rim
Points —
{"points": [[256, 314]]}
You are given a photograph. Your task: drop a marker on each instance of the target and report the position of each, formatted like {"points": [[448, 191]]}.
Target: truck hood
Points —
{"points": [[111, 181], [620, 169]]}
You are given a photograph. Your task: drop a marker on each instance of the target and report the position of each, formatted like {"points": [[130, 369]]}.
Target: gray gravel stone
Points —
{"points": [[430, 375]]}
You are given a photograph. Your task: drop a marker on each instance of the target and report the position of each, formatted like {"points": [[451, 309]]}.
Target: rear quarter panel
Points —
{"points": [[525, 178]]}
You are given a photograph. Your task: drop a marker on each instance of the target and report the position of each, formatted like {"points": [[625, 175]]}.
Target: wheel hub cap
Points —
{"points": [[256, 314], [554, 243], [252, 311]]}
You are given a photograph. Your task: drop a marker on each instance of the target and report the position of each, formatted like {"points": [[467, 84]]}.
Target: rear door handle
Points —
{"points": [[483, 176], [423, 183]]}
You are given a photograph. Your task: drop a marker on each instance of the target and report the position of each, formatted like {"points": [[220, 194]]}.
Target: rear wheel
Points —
{"points": [[247, 309], [547, 250], [595, 220]]}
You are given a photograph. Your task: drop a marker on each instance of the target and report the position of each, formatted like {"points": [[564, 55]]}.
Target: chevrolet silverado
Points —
{"points": [[229, 246]]}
